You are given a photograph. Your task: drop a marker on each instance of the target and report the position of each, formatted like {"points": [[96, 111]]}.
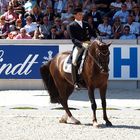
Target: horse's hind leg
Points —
{"points": [[103, 99], [64, 118], [65, 89]]}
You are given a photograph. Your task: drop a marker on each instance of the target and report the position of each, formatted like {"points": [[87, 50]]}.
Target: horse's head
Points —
{"points": [[100, 54]]}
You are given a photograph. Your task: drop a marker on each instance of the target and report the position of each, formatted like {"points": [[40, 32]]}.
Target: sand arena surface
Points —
{"points": [[28, 115]]}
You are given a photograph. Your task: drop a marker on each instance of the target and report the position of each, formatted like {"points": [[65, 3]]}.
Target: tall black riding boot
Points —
{"points": [[74, 76]]}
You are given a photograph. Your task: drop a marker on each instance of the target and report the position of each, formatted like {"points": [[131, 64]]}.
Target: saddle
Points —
{"points": [[67, 66]]}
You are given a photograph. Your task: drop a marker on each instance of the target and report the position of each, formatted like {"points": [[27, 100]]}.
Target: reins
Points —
{"points": [[97, 63]]}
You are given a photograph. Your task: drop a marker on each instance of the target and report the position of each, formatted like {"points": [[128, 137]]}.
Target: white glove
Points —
{"points": [[85, 45]]}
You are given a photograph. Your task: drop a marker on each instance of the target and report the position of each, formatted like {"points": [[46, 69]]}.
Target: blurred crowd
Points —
{"points": [[48, 19]]}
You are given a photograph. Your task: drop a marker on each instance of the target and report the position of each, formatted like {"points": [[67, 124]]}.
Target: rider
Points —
{"points": [[79, 32]]}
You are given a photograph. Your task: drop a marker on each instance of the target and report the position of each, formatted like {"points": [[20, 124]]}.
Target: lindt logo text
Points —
{"points": [[23, 68]]}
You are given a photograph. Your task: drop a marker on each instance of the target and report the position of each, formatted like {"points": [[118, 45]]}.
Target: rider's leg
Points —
{"points": [[76, 52]]}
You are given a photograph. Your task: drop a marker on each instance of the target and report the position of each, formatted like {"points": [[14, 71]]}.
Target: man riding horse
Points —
{"points": [[79, 32]]}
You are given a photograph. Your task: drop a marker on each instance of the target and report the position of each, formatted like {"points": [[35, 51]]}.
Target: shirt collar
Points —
{"points": [[79, 22]]}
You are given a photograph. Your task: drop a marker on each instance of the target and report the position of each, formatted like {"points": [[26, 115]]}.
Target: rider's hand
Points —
{"points": [[86, 44]]}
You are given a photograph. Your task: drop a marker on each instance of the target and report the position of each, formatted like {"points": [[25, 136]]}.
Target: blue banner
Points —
{"points": [[24, 62], [124, 62], [131, 62]]}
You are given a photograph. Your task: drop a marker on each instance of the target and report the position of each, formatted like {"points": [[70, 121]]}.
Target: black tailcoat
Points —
{"points": [[79, 34]]}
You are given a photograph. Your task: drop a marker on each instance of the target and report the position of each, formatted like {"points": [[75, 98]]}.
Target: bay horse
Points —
{"points": [[94, 75]]}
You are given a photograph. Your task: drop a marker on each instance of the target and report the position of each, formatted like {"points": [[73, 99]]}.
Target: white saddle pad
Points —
{"points": [[67, 67]]}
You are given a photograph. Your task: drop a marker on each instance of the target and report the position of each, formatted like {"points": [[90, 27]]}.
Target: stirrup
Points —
{"points": [[76, 86]]}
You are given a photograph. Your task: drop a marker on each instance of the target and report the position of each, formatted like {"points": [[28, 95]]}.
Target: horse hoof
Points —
{"points": [[95, 125], [108, 124], [62, 120], [77, 122]]}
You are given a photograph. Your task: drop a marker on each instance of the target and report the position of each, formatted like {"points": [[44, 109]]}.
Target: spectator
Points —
{"points": [[130, 4], [117, 28], [67, 14], [77, 3], [12, 35], [43, 4], [93, 30], [17, 6], [115, 6], [58, 23], [71, 2], [55, 6], [23, 34], [12, 28], [95, 15], [10, 16], [36, 14], [61, 4], [18, 24], [3, 6], [29, 5], [71, 19], [12, 32], [123, 14], [126, 34], [105, 29], [86, 5], [64, 30], [103, 6], [45, 27], [4, 28], [50, 14], [136, 13], [30, 26], [37, 34], [53, 33], [134, 26]]}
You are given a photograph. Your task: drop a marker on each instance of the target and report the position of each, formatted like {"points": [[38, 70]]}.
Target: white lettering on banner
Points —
{"points": [[50, 53], [124, 62], [30, 63], [21, 68]]}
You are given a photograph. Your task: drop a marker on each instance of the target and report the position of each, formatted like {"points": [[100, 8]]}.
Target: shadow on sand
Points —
{"points": [[82, 95], [101, 126]]}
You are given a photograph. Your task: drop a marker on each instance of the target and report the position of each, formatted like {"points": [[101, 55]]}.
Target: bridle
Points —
{"points": [[101, 58]]}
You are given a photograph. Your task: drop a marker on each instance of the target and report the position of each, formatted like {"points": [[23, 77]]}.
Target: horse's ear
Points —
{"points": [[109, 43]]}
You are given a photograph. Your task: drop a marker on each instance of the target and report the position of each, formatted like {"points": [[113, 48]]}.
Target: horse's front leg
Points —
{"points": [[93, 106], [103, 100]]}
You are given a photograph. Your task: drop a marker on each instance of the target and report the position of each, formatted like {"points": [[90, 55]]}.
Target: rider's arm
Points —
{"points": [[75, 41]]}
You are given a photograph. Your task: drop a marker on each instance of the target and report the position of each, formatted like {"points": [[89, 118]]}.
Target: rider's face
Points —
{"points": [[79, 16]]}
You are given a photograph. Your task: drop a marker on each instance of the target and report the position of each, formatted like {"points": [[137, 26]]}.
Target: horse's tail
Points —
{"points": [[49, 83]]}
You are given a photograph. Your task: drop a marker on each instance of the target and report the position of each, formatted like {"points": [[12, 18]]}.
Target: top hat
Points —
{"points": [[77, 10]]}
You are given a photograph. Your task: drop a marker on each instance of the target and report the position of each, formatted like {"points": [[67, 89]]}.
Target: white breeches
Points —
{"points": [[76, 52]]}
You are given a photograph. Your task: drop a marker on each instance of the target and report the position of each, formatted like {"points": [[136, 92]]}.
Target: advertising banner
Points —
{"points": [[124, 62], [24, 61]]}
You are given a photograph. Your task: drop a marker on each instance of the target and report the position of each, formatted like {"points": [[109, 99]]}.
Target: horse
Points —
{"points": [[94, 74]]}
